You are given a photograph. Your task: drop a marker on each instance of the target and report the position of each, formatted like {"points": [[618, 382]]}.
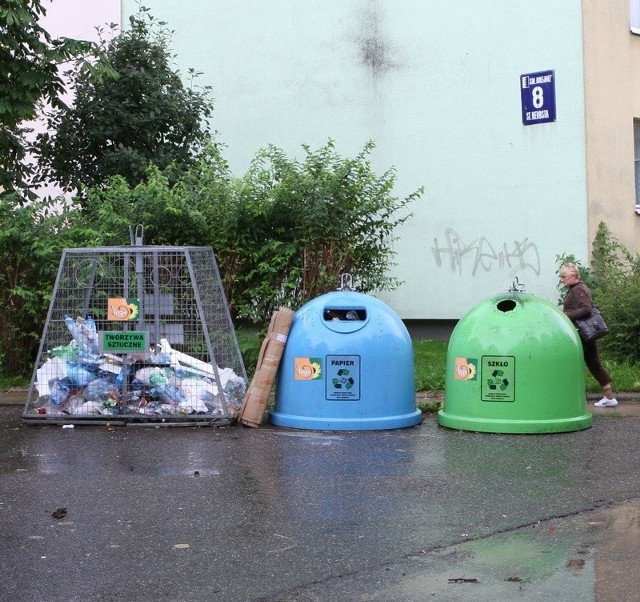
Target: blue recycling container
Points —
{"points": [[347, 365]]}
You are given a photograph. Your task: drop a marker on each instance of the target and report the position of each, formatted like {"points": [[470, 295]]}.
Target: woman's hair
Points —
{"points": [[571, 268]]}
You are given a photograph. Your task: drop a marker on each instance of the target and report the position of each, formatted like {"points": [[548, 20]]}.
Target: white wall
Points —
{"points": [[435, 84]]}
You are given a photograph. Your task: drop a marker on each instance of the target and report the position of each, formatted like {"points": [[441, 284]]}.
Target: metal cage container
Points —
{"points": [[137, 334]]}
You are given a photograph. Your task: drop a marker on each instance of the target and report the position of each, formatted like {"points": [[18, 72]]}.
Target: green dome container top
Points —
{"points": [[515, 365]]}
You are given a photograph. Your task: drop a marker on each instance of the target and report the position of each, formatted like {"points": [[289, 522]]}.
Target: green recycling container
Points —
{"points": [[515, 365]]}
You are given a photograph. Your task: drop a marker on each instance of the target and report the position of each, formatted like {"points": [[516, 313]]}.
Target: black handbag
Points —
{"points": [[592, 327]]}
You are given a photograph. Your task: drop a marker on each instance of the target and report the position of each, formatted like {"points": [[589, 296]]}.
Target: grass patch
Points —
{"points": [[625, 376], [250, 341], [8, 382], [430, 359], [429, 406]]}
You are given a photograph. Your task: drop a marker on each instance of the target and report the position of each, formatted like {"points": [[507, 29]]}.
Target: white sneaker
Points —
{"points": [[606, 403]]}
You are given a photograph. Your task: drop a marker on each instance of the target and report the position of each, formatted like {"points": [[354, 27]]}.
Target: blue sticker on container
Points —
{"points": [[343, 377]]}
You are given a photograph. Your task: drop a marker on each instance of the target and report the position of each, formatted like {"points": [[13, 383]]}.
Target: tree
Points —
{"points": [[147, 116], [29, 61]]}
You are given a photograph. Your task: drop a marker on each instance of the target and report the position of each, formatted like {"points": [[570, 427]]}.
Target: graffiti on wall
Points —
{"points": [[481, 254]]}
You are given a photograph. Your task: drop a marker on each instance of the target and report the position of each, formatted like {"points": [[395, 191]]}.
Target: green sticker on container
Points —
{"points": [[498, 378], [123, 342]]}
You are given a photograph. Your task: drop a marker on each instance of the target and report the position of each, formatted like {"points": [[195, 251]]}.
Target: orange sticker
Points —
{"points": [[465, 368], [123, 309], [307, 368]]}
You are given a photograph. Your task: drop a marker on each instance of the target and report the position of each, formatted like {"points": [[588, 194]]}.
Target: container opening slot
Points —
{"points": [[331, 314], [506, 305]]}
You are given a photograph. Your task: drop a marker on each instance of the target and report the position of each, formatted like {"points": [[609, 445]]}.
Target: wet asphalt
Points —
{"points": [[130, 513]]}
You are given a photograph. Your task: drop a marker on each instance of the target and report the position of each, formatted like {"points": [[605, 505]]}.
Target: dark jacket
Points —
{"points": [[577, 302]]}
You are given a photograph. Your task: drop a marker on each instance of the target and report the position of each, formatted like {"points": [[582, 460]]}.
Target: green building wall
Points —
{"points": [[436, 85]]}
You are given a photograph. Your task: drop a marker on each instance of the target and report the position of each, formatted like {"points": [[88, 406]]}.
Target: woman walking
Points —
{"points": [[578, 304]]}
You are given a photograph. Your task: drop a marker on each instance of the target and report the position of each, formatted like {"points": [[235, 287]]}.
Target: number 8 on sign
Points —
{"points": [[538, 97]]}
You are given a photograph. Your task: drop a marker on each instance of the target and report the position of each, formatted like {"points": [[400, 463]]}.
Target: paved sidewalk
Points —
{"points": [[281, 515]]}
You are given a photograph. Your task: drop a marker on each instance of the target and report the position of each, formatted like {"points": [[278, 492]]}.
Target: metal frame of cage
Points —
{"points": [[177, 361]]}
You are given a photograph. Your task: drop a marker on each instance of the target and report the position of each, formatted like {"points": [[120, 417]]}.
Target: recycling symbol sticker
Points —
{"points": [[496, 381], [343, 380], [498, 377], [342, 377]]}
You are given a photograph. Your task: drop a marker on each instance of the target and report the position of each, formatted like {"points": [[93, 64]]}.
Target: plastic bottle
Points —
{"points": [[98, 389], [84, 332], [169, 393], [59, 392], [79, 375]]}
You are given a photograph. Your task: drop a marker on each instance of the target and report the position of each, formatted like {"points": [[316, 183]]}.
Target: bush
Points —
{"points": [[282, 234], [294, 227], [31, 242], [616, 282]]}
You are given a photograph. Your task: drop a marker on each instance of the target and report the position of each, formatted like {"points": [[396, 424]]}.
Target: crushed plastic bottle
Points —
{"points": [[158, 379], [59, 392], [99, 389], [169, 394], [74, 405], [79, 375], [193, 406], [119, 382], [235, 390], [151, 376], [84, 332]]}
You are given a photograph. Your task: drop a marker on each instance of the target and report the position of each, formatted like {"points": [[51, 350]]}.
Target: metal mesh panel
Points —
{"points": [[137, 333]]}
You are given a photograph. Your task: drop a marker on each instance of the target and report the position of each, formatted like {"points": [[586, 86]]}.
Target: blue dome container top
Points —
{"points": [[347, 365]]}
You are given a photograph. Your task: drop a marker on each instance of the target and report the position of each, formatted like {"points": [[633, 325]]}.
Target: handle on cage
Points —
{"points": [[136, 239]]}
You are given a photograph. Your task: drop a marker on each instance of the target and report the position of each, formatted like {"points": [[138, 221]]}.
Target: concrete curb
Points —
{"points": [[13, 396]]}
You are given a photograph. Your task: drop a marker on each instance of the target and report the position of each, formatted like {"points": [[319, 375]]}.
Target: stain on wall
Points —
{"points": [[374, 47]]}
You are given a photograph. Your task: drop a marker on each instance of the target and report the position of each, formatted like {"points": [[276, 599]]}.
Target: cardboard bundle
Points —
{"points": [[255, 400]]}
